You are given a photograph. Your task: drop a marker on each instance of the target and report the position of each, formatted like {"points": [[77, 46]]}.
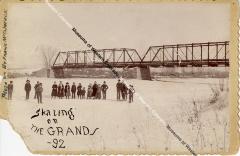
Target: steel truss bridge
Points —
{"points": [[212, 54]]}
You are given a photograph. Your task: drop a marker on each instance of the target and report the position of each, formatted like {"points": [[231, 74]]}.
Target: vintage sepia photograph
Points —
{"points": [[121, 78]]}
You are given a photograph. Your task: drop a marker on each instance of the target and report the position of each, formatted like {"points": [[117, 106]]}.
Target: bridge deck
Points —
{"points": [[182, 63]]}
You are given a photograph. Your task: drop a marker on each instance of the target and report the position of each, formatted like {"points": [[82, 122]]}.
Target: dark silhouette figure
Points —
{"points": [[39, 91], [54, 90], [60, 90], [124, 91], [99, 90], [104, 90], [10, 90], [27, 89], [131, 92], [79, 88], [73, 90], [67, 90], [35, 89], [94, 87], [119, 88], [89, 91]]}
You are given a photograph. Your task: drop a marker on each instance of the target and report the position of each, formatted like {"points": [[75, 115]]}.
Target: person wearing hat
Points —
{"points": [[39, 91], [131, 92], [60, 90], [124, 90], [99, 90], [79, 88], [104, 89], [35, 88], [89, 91], [27, 89], [67, 90], [54, 93], [73, 90], [119, 89], [10, 90], [94, 87]]}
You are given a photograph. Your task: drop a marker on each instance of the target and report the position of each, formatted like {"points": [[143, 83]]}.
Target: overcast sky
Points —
{"points": [[135, 26]]}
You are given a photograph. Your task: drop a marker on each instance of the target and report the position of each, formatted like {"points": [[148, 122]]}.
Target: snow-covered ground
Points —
{"points": [[188, 105]]}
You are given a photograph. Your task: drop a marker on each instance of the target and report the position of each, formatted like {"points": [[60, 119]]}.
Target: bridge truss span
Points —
{"points": [[119, 58], [195, 54], [213, 54]]}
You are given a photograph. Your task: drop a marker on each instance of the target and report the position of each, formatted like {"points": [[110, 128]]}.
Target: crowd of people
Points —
{"points": [[60, 91], [38, 90], [123, 91], [95, 91]]}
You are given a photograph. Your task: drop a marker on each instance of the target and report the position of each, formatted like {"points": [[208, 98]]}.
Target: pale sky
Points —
{"points": [[136, 26]]}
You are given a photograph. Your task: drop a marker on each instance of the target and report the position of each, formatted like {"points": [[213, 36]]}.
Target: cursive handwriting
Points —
{"points": [[55, 113]]}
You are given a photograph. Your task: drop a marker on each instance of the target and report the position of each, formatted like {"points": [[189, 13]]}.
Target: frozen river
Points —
{"points": [[132, 125]]}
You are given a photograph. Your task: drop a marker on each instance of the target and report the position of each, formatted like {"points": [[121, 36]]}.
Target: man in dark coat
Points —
{"points": [[39, 91], [67, 90], [79, 88], [60, 91], [131, 92], [119, 88], [35, 89], [124, 91], [27, 89], [10, 90], [95, 86], [73, 90], [104, 90]]}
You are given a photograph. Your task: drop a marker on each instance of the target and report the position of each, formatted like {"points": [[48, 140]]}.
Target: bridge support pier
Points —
{"points": [[58, 73], [143, 73]]}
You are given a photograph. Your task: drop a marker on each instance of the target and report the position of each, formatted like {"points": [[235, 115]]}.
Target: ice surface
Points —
{"points": [[130, 126]]}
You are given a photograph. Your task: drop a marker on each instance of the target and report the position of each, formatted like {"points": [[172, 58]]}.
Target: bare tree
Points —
{"points": [[47, 54]]}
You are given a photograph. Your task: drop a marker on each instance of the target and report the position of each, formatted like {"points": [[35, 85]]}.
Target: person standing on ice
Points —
{"points": [[39, 91], [99, 90], [124, 91], [119, 89], [54, 90], [35, 89], [79, 88], [10, 90], [131, 92], [104, 89], [60, 91], [83, 92], [94, 87], [73, 90], [89, 91], [67, 90], [27, 89]]}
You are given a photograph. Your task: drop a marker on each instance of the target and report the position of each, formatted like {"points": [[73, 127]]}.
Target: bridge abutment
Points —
{"points": [[143, 73], [58, 73]]}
